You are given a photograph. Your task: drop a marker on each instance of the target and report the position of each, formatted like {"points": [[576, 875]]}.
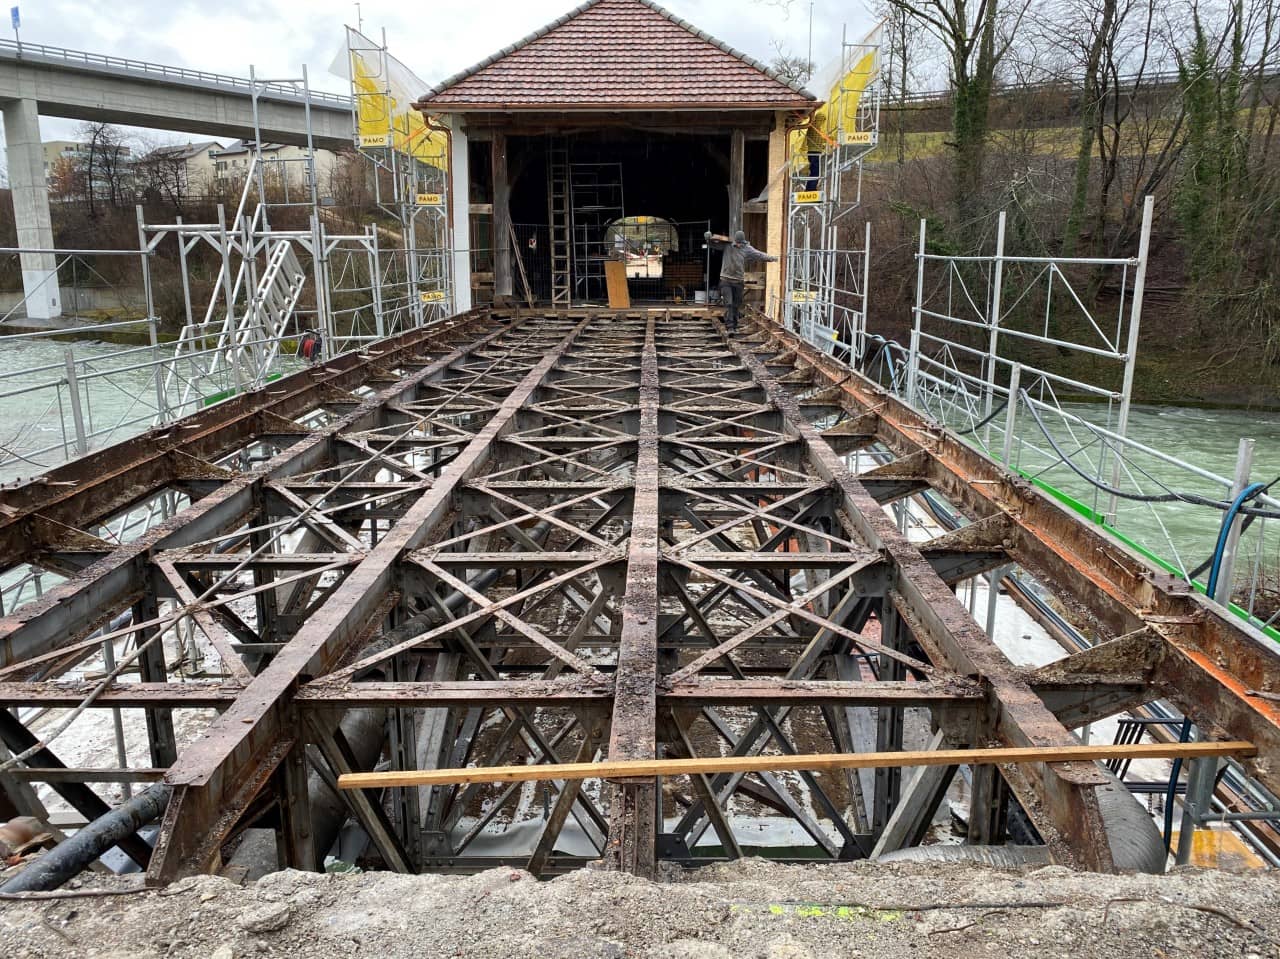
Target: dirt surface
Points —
{"points": [[750, 909]]}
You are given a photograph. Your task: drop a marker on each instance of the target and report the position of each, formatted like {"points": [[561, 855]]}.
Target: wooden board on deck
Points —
{"points": [[615, 275]]}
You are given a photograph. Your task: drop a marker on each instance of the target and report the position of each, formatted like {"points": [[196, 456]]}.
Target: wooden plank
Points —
{"points": [[615, 275], [632, 769], [633, 729]]}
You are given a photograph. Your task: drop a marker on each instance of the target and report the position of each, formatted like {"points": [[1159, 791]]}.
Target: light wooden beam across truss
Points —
{"points": [[816, 762]]}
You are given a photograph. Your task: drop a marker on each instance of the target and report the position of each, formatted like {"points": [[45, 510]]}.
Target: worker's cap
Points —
{"points": [[739, 237]]}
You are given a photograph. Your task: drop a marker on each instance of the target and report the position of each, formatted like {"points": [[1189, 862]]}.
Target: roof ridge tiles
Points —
{"points": [[762, 95]]}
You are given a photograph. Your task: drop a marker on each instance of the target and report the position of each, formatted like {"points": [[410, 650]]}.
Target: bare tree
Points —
{"points": [[107, 166], [349, 186], [790, 67], [161, 173], [976, 40], [903, 35]]}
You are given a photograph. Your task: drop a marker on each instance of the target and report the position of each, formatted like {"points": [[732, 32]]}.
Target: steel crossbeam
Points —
{"points": [[571, 536]]}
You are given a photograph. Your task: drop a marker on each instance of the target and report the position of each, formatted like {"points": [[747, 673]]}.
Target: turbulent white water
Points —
{"points": [[116, 387], [1208, 439]]}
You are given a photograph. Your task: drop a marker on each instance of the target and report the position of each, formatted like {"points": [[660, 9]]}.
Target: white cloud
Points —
{"points": [[435, 38]]}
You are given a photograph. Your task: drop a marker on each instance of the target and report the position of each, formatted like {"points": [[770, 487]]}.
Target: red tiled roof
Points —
{"points": [[617, 54]]}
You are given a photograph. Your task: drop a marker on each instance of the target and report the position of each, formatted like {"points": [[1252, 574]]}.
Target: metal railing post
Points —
{"points": [[77, 411], [311, 146], [375, 279], [117, 719], [1227, 564], [320, 277], [228, 336], [1197, 803], [913, 358], [861, 346], [1131, 351], [1011, 413], [409, 219], [144, 254], [993, 320]]}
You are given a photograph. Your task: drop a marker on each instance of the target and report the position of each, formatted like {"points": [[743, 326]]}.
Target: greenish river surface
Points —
{"points": [[37, 426], [1206, 438]]}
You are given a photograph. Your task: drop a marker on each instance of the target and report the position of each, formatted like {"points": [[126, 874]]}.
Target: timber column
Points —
{"points": [[460, 200], [31, 208], [776, 217]]}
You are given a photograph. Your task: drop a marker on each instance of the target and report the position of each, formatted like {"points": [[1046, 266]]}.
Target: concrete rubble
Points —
{"points": [[749, 909]]}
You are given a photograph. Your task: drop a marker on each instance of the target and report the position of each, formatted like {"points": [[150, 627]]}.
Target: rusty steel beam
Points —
{"points": [[1065, 809], [614, 532], [1209, 661], [208, 778], [83, 604], [93, 487], [632, 832]]}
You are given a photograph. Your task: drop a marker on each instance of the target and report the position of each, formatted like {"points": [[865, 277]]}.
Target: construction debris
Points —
{"points": [[748, 910]]}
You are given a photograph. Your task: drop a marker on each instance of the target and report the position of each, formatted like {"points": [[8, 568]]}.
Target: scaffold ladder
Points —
{"points": [[558, 212]]}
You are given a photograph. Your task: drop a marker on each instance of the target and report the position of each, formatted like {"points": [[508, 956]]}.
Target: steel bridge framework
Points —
{"points": [[548, 536]]}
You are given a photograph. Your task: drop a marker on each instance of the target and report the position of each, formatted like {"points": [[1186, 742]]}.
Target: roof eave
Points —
{"points": [[491, 106]]}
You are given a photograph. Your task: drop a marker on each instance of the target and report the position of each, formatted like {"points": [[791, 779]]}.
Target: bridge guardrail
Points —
{"points": [[38, 52], [1073, 87]]}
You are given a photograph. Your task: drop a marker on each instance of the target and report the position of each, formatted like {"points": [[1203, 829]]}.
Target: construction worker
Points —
{"points": [[815, 144], [733, 266]]}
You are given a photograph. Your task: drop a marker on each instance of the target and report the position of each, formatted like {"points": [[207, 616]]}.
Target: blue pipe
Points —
{"points": [[1246, 494], [1172, 791]]}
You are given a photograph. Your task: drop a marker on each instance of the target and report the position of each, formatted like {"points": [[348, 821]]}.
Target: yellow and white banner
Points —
{"points": [[384, 91], [843, 86], [848, 85]]}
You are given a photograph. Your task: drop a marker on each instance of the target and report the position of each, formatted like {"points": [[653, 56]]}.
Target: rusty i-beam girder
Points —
{"points": [[551, 536]]}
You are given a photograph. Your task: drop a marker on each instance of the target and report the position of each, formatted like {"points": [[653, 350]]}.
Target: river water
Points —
{"points": [[1182, 534], [37, 426]]}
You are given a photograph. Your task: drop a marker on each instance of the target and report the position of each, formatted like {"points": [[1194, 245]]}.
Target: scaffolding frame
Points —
{"points": [[828, 275], [411, 184], [596, 200]]}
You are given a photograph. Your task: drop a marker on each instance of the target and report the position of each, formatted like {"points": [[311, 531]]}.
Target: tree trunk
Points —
{"points": [[1091, 107], [972, 112]]}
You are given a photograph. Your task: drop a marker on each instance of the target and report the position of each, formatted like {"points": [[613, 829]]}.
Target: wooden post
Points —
{"points": [[502, 276], [737, 155], [776, 217]]}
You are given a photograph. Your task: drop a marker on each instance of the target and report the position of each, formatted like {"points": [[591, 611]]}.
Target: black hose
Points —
{"points": [[1172, 791], [983, 422], [1192, 498], [72, 856]]}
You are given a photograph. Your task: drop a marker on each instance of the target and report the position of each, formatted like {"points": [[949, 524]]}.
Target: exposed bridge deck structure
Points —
{"points": [[552, 536]]}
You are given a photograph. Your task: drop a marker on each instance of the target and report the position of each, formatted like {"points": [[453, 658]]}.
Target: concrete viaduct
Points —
{"points": [[39, 80]]}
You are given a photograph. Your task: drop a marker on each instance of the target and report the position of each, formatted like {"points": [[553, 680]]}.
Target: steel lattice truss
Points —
{"points": [[557, 536]]}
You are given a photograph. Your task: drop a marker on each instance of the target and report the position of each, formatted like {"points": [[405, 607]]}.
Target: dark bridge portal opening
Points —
{"points": [[640, 197]]}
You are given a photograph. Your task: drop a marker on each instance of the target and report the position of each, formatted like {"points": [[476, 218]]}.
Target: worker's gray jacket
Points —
{"points": [[733, 266]]}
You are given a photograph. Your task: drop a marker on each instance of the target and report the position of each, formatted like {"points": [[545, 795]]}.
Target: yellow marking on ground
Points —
{"points": [[1221, 849]]}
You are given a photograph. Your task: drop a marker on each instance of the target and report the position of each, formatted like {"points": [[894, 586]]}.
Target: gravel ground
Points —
{"points": [[749, 909]]}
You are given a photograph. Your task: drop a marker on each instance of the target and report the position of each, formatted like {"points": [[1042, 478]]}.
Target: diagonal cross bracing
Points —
{"points": [[570, 536]]}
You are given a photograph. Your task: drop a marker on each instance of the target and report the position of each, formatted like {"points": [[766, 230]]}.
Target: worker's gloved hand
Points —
{"points": [[707, 235]]}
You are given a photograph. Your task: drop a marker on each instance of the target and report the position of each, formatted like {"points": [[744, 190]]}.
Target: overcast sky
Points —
{"points": [[435, 38]]}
